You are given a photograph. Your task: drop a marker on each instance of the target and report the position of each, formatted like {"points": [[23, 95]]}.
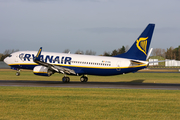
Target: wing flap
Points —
{"points": [[55, 68]]}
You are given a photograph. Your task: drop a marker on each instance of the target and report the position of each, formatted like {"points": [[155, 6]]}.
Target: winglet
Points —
{"points": [[38, 55]]}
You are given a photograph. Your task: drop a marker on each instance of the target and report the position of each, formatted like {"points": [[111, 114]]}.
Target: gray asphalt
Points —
{"points": [[114, 85]]}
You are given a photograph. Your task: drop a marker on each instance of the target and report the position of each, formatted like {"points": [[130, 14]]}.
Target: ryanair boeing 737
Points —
{"points": [[48, 63]]}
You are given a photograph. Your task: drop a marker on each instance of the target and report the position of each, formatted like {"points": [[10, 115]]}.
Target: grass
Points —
{"points": [[89, 103], [6, 74], [94, 103]]}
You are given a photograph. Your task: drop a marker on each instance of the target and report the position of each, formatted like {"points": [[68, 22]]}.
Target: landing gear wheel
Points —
{"points": [[65, 79], [84, 79], [17, 73]]}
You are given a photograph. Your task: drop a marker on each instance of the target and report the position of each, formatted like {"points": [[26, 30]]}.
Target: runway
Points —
{"points": [[114, 85]]}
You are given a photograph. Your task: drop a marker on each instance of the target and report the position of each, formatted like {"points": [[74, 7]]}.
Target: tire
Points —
{"points": [[67, 79], [86, 79], [17, 73], [82, 79], [64, 79]]}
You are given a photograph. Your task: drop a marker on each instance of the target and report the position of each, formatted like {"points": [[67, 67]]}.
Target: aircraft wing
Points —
{"points": [[51, 67]]}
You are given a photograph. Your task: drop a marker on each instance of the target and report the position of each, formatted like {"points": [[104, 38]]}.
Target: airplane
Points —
{"points": [[48, 63]]}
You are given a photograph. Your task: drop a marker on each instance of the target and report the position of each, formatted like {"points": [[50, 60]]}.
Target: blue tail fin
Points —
{"points": [[140, 48]]}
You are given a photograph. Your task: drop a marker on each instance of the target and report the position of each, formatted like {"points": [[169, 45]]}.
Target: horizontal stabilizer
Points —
{"points": [[158, 61]]}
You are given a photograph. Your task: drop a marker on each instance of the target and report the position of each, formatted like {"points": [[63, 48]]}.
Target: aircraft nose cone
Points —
{"points": [[6, 60]]}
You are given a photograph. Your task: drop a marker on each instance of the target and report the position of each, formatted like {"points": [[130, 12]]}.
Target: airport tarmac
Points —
{"points": [[114, 85]]}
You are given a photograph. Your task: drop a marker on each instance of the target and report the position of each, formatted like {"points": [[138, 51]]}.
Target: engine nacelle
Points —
{"points": [[42, 71]]}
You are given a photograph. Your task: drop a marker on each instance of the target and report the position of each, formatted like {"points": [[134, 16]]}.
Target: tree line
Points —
{"points": [[87, 52], [116, 51], [169, 53], [90, 52], [6, 53]]}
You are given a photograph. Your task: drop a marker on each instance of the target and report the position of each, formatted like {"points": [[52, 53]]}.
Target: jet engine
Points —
{"points": [[42, 71]]}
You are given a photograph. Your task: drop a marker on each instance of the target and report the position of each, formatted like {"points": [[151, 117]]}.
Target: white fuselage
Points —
{"points": [[84, 64]]}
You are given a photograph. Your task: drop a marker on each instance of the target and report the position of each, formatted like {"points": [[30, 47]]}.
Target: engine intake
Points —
{"points": [[42, 71]]}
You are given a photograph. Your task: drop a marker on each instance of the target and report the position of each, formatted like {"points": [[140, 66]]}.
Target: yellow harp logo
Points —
{"points": [[142, 44]]}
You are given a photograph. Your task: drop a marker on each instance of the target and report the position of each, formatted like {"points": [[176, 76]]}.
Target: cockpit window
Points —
{"points": [[10, 56]]}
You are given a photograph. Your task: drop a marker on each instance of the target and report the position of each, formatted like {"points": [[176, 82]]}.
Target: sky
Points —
{"points": [[97, 25]]}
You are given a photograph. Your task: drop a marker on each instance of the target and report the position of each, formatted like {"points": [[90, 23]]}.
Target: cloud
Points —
{"points": [[111, 30], [129, 30], [168, 30], [67, 0], [101, 0], [40, 0]]}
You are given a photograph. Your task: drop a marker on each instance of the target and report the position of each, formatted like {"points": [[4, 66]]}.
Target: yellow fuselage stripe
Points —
{"points": [[62, 65]]}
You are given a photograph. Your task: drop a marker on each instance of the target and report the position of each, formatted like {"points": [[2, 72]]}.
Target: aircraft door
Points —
{"points": [[118, 66], [16, 58]]}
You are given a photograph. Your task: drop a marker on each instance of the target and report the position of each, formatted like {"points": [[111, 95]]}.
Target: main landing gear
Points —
{"points": [[84, 79], [67, 79]]}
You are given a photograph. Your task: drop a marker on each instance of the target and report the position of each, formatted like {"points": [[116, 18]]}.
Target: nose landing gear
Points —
{"points": [[18, 72]]}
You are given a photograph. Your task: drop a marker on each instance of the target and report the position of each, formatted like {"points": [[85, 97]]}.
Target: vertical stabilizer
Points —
{"points": [[140, 48]]}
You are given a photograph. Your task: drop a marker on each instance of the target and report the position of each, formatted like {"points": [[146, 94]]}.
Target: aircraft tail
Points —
{"points": [[140, 48]]}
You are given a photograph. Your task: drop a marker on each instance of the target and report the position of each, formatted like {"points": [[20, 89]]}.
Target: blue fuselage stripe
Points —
{"points": [[90, 71]]}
